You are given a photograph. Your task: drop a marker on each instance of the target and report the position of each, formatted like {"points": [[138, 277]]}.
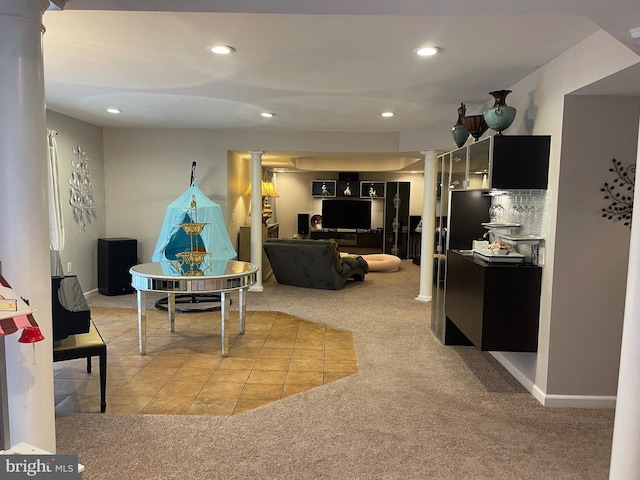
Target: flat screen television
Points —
{"points": [[355, 214]]}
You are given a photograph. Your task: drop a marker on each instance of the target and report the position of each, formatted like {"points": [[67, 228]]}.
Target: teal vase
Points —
{"points": [[500, 116], [459, 133]]}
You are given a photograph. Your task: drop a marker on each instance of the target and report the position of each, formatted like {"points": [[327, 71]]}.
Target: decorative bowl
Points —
{"points": [[475, 125], [193, 228], [193, 258], [500, 251]]}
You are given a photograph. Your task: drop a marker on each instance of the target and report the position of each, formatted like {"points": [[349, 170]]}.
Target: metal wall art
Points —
{"points": [[620, 193], [81, 191]]}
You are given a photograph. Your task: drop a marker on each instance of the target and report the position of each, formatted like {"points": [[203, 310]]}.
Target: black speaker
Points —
{"points": [[349, 176], [115, 257], [303, 224]]}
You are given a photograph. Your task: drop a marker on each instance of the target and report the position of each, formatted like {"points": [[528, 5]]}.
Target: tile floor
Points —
{"points": [[183, 373]]}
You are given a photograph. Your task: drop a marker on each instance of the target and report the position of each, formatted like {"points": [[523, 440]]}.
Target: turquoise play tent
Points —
{"points": [[214, 236]]}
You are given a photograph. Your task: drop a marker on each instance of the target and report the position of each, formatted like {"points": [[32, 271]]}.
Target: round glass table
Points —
{"points": [[217, 276]]}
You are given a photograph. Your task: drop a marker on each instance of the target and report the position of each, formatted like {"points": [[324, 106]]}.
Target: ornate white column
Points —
{"points": [[625, 461], [428, 226], [24, 235], [256, 216]]}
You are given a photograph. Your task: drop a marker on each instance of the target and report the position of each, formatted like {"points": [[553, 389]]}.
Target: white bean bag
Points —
{"points": [[382, 262]]}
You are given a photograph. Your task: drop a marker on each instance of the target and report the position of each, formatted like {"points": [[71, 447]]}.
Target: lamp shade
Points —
{"points": [[31, 335], [263, 193], [268, 190]]}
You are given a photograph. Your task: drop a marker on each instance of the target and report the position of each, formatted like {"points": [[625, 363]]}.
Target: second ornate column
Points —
{"points": [[428, 226], [256, 216]]}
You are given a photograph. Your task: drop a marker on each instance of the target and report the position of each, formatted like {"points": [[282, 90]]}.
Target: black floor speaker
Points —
{"points": [[303, 224], [115, 257]]}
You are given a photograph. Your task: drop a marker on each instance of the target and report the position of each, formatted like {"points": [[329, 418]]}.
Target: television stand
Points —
{"points": [[363, 242], [347, 239]]}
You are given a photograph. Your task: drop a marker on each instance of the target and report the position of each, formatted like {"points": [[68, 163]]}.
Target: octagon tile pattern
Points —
{"points": [[182, 373]]}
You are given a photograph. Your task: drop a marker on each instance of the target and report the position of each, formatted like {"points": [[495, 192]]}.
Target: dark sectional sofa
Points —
{"points": [[312, 263]]}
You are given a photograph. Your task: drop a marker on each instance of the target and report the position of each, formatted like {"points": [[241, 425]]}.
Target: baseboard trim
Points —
{"points": [[574, 401], [511, 368], [552, 400]]}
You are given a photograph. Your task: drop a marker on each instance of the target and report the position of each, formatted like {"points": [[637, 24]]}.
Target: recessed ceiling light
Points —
{"points": [[268, 114], [426, 51], [114, 110], [387, 114], [221, 49]]}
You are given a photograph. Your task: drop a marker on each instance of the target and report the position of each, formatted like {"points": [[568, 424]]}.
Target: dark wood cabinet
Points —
{"points": [[493, 306], [395, 198], [369, 240], [512, 162], [396, 218], [485, 301], [471, 208], [520, 161], [352, 242]]}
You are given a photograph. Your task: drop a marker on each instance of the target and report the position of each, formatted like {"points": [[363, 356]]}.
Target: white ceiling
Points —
{"points": [[317, 72]]}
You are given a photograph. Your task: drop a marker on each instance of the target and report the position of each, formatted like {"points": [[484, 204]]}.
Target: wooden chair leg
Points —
{"points": [[103, 379]]}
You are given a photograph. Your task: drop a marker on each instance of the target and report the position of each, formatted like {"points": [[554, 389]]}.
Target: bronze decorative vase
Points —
{"points": [[476, 125], [500, 116], [459, 133]]}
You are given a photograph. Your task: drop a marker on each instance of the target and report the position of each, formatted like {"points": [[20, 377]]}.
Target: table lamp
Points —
{"points": [[268, 191]]}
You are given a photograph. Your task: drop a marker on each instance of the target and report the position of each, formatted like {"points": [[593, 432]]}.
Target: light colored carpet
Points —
{"points": [[415, 410]]}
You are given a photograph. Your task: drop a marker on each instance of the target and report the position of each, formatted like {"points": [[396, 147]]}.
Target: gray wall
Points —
{"points": [[591, 270], [81, 248], [147, 169]]}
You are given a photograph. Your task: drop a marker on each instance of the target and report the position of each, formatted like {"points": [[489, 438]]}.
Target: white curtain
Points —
{"points": [[56, 224]]}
